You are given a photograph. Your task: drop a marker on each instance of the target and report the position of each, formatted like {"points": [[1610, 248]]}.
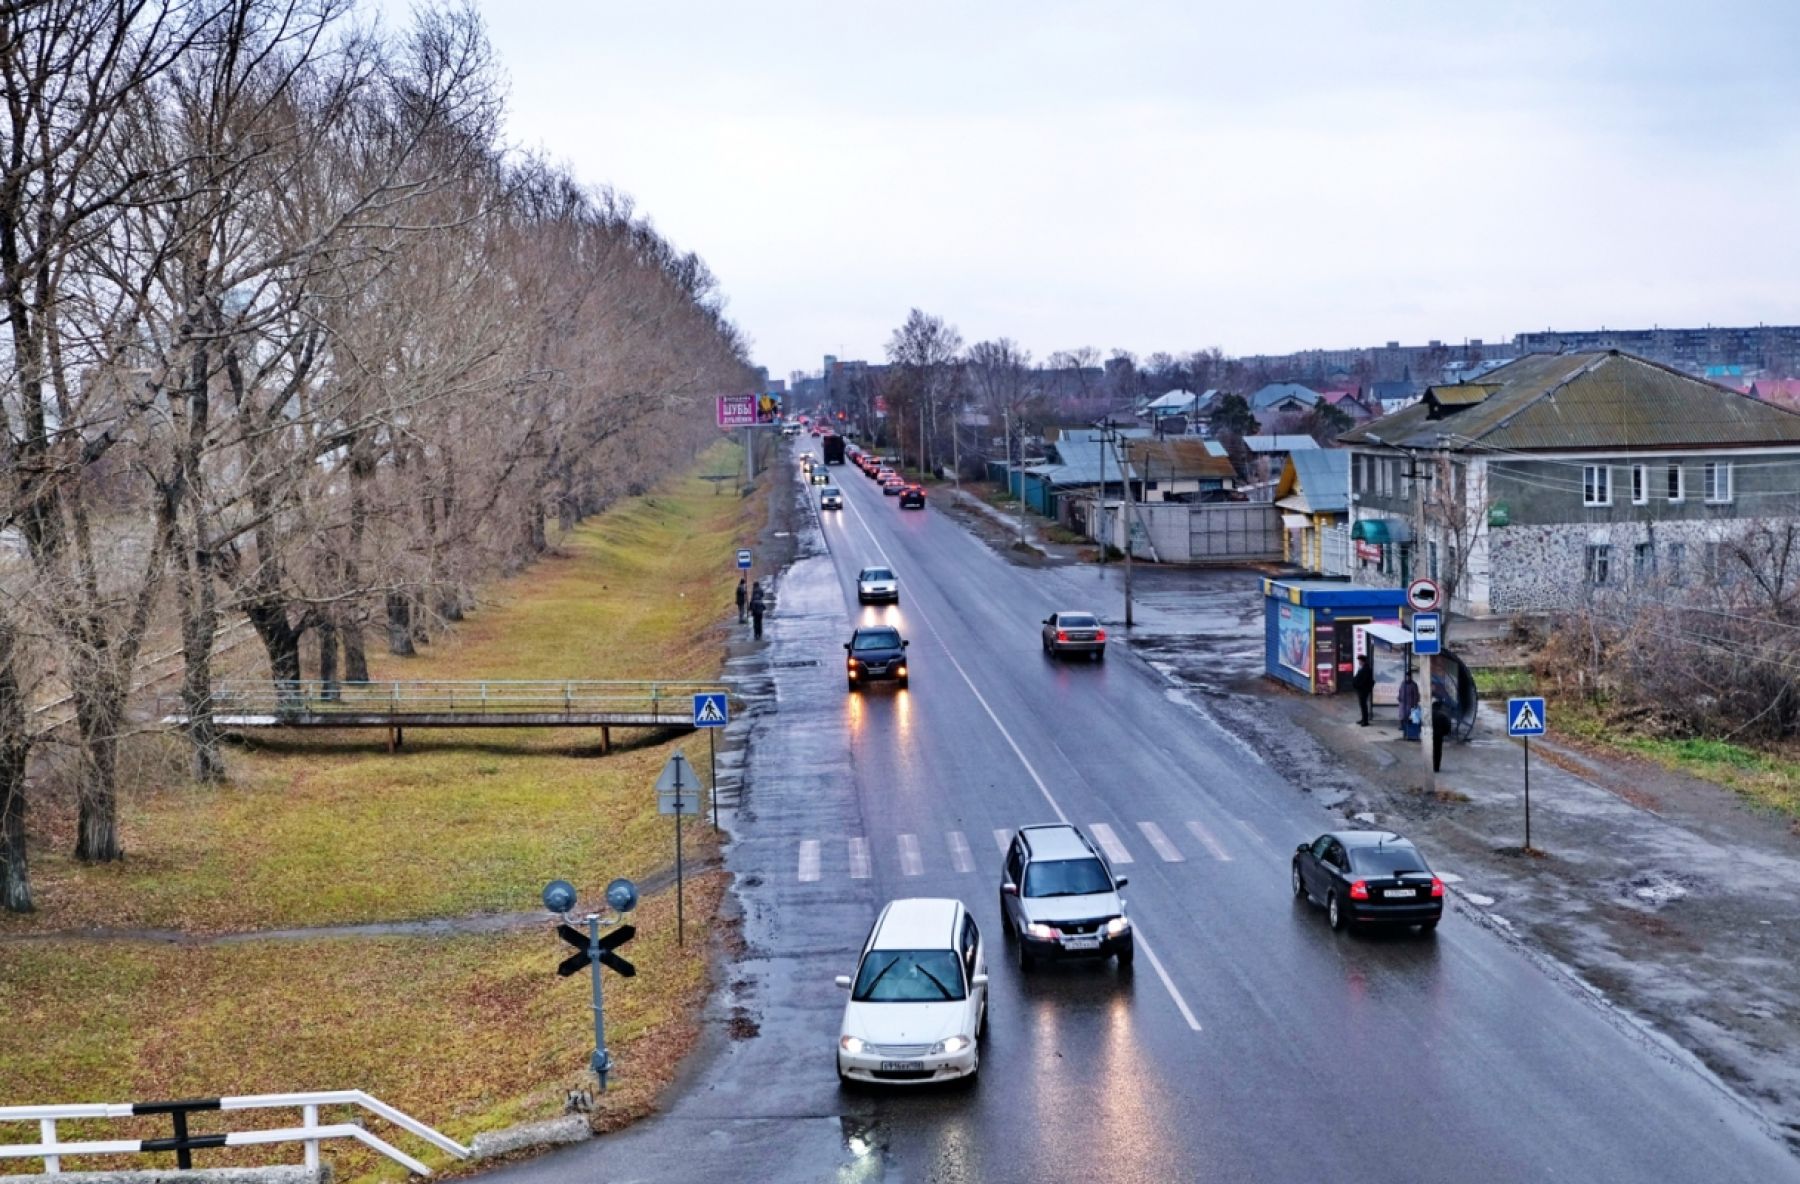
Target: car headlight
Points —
{"points": [[1040, 931], [900, 671], [953, 1045], [1116, 926], [851, 1044]]}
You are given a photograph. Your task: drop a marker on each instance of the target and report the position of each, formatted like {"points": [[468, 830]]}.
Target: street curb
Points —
{"points": [[551, 1132]]}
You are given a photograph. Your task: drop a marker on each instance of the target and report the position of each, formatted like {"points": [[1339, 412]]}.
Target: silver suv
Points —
{"points": [[1059, 898]]}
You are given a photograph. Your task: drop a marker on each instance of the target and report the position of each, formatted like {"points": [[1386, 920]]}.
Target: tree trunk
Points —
{"points": [[539, 539], [99, 712], [415, 610], [399, 631], [197, 599], [356, 659], [282, 642], [15, 877], [328, 657]]}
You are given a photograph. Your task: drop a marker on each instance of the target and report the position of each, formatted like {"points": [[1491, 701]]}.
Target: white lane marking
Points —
{"points": [[1212, 844], [1109, 843], [1002, 838], [1254, 833], [911, 863], [1160, 841], [859, 859], [809, 861], [1030, 770], [960, 858]]}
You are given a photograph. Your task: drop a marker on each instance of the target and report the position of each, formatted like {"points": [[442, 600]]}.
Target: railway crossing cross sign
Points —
{"points": [[712, 710]]}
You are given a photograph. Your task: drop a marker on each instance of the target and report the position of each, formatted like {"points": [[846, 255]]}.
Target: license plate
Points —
{"points": [[1393, 893], [902, 1066], [1081, 943]]}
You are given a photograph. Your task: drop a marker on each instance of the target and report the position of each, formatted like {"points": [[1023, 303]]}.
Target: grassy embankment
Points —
{"points": [[467, 1031], [1767, 779]]}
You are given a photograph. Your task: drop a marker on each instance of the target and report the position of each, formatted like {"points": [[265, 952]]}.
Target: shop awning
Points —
{"points": [[1295, 521], [1381, 530]]}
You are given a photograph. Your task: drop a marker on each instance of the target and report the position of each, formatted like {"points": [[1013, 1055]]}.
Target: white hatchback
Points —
{"points": [[918, 1001], [877, 583]]}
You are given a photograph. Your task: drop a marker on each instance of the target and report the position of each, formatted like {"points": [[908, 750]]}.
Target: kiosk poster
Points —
{"points": [[1293, 639]]}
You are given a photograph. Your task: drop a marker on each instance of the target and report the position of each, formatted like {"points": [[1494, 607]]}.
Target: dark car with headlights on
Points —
{"points": [[875, 654], [1368, 877]]}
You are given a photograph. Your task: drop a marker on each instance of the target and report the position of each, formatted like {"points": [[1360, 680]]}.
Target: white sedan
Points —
{"points": [[918, 1001], [877, 583]]}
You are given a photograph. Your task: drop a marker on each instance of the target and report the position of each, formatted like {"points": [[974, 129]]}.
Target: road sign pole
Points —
{"points": [[602, 1063], [1527, 740], [712, 773], [680, 913]]}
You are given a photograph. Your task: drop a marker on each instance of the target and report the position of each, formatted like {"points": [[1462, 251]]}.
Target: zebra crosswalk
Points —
{"points": [[914, 855]]}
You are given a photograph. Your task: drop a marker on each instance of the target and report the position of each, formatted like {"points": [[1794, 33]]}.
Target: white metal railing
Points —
{"points": [[51, 1149], [310, 697]]}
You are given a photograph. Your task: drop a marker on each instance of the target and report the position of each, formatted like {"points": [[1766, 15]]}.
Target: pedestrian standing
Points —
{"points": [[1440, 727], [1364, 682], [1409, 703], [756, 610], [743, 598]]}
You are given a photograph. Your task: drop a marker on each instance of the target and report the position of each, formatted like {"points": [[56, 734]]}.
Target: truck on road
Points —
{"points": [[834, 449]]}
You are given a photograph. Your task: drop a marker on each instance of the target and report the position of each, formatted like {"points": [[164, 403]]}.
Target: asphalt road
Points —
{"points": [[1251, 1043]]}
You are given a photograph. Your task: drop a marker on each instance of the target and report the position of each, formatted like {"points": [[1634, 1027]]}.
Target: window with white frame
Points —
{"points": [[1718, 481], [1596, 485], [1599, 563], [1677, 483], [1640, 484]]}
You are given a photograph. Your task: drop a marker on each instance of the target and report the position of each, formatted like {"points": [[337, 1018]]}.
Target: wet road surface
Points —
{"points": [[1250, 1043]]}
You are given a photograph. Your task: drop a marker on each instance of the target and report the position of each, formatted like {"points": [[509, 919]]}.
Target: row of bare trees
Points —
{"points": [[292, 339]]}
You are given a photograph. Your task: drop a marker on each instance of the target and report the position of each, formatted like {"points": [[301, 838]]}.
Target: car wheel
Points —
{"points": [[1127, 955], [904, 683], [1100, 655], [1339, 919], [1299, 883], [1026, 961], [981, 1028], [1429, 927]]}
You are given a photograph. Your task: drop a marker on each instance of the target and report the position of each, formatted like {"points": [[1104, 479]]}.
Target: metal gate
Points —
{"points": [[1234, 532]]}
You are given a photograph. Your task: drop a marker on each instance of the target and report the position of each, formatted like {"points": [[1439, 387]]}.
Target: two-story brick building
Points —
{"points": [[1561, 476]]}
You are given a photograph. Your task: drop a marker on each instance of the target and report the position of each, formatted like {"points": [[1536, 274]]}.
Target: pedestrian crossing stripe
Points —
{"points": [[1527, 717], [711, 711]]}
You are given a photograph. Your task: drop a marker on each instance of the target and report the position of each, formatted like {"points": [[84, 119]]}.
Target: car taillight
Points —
{"points": [[1359, 890], [1062, 635], [1437, 886], [1100, 636]]}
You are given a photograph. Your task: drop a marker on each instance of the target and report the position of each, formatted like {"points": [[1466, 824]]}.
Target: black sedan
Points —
{"points": [[1368, 877], [876, 654], [912, 498]]}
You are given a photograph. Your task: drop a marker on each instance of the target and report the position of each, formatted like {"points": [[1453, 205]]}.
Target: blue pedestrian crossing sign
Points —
{"points": [[1525, 717], [712, 710]]}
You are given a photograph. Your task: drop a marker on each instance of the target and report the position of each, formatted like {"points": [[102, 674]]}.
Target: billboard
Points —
{"points": [[737, 411]]}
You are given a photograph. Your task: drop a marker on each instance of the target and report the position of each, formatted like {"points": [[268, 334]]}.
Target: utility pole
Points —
{"points": [[1106, 540]]}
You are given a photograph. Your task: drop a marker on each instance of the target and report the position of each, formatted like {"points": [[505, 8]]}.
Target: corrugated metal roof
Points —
{"points": [[1275, 392], [1323, 477], [1602, 399], [1286, 442], [1177, 460], [1461, 394]]}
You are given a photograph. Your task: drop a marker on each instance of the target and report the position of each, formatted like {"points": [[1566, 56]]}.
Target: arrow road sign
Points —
{"points": [[612, 941], [1525, 717], [1423, 595], [1425, 634], [711, 710]]}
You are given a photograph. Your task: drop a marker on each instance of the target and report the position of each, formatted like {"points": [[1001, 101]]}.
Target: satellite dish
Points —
{"points": [[559, 896], [622, 895]]}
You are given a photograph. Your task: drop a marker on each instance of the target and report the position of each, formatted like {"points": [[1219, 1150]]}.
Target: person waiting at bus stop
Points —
{"points": [[1364, 682], [756, 611]]}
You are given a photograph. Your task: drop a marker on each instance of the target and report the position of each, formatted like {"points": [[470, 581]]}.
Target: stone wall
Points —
{"points": [[1535, 568]]}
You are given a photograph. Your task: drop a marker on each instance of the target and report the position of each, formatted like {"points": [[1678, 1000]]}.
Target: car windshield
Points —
{"points": [[1386, 859], [877, 639], [1077, 621], [877, 573], [909, 976], [829, 491], [1066, 877]]}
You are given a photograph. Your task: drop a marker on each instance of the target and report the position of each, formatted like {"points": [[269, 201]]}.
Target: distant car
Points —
{"points": [[919, 998], [1368, 877], [831, 498], [819, 475], [912, 498], [1074, 633], [877, 653], [892, 487], [1059, 898], [877, 583]]}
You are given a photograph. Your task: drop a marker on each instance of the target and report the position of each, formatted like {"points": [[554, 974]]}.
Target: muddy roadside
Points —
{"points": [[1666, 895]]}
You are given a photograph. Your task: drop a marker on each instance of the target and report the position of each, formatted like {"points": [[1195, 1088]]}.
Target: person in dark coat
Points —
{"points": [[1440, 727], [743, 598], [1364, 682], [1409, 702], [756, 610]]}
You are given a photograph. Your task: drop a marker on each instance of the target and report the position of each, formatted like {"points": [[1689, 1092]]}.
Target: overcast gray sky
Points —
{"points": [[1149, 175]]}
